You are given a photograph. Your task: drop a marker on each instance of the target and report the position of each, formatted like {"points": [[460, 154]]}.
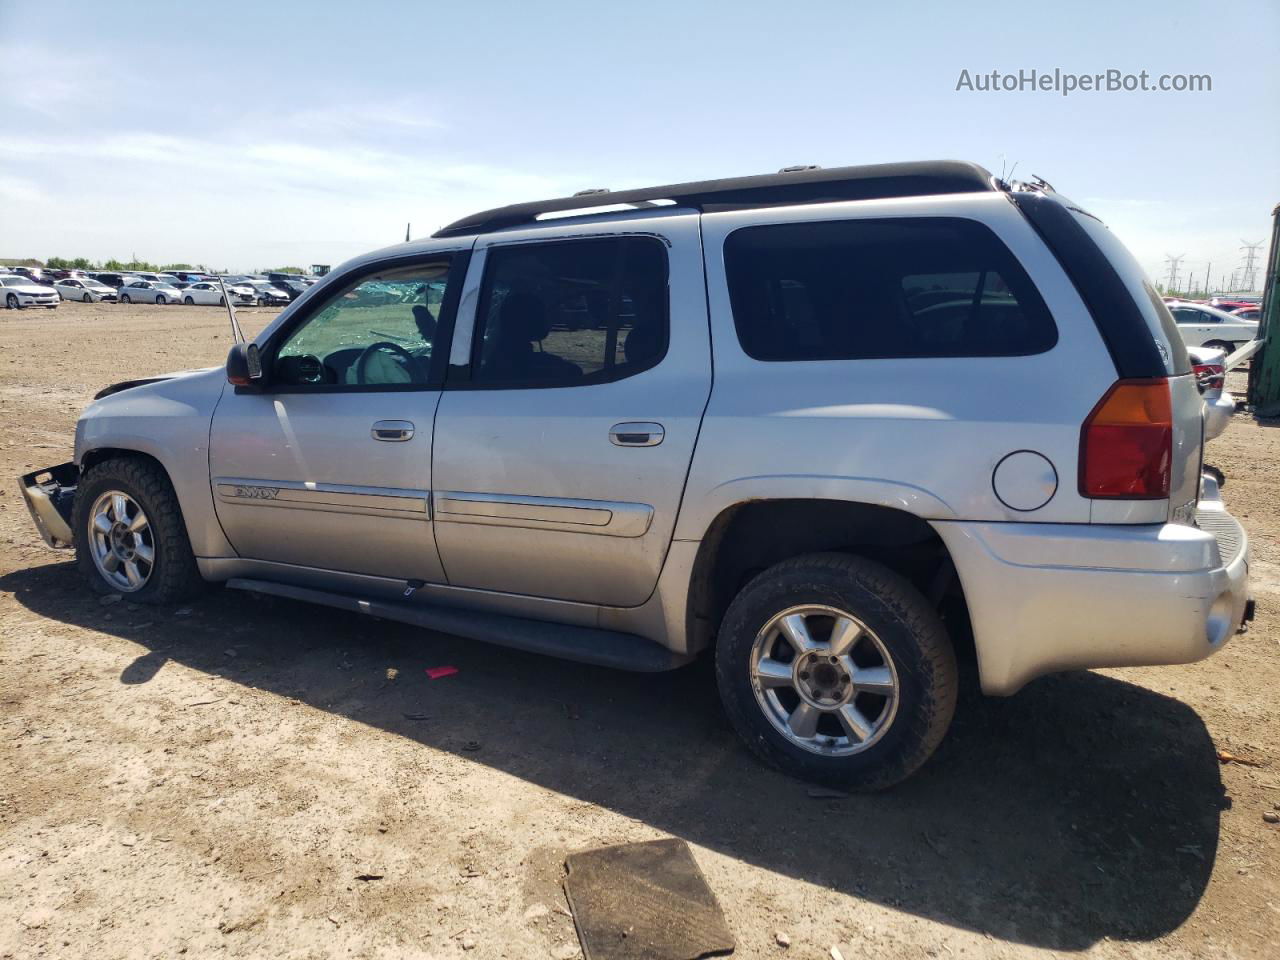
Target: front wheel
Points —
{"points": [[11, 301], [130, 537], [87, 298], [189, 302], [1219, 345], [160, 300], [835, 669]]}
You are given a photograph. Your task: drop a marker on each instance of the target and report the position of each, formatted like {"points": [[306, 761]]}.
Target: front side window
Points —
{"points": [[377, 331], [866, 289], [571, 312]]}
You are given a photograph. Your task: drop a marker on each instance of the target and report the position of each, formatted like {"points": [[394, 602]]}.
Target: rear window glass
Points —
{"points": [[865, 289]]}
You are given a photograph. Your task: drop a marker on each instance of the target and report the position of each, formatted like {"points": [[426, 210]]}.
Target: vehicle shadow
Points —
{"points": [[1083, 808]]}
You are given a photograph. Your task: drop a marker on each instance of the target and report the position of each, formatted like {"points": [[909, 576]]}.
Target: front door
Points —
{"points": [[328, 464], [568, 422]]}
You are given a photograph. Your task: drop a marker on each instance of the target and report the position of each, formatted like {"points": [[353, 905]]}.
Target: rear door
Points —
{"points": [[576, 388]]}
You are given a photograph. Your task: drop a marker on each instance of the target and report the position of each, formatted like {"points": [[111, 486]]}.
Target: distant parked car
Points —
{"points": [[116, 280], [1204, 326], [149, 291], [1252, 312], [32, 273], [208, 293], [20, 291], [86, 289], [189, 276], [268, 294]]}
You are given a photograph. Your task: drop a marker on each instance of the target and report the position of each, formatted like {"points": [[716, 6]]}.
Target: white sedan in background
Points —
{"points": [[149, 291], [85, 289], [1204, 326], [19, 291], [208, 293]]}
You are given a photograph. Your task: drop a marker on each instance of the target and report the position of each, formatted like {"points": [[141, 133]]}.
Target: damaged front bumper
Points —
{"points": [[49, 495]]}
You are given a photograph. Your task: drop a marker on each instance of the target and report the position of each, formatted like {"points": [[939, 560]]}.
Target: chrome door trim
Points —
{"points": [[605, 517], [326, 497]]}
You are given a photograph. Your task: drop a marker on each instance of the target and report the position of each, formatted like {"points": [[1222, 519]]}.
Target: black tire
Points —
{"points": [[11, 301], [907, 627], [174, 577], [189, 302], [124, 298], [222, 301], [87, 298], [160, 300], [1219, 345]]}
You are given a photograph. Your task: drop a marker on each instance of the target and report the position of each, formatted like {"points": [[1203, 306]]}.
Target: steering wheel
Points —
{"points": [[410, 362]]}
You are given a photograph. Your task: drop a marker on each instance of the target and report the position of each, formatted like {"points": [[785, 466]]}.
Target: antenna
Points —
{"points": [[237, 335], [406, 232]]}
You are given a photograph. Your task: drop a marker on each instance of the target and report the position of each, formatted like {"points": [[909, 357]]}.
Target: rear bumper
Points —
{"points": [[1050, 597], [49, 495], [1217, 414]]}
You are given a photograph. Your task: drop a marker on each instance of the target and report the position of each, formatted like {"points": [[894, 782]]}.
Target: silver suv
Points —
{"points": [[831, 426]]}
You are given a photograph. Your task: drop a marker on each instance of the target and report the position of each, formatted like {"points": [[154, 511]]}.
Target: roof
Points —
{"points": [[810, 185]]}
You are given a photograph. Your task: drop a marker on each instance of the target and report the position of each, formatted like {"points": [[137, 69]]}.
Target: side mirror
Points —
{"points": [[244, 365]]}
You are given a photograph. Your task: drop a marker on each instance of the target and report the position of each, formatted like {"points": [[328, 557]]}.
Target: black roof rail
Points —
{"points": [[870, 182]]}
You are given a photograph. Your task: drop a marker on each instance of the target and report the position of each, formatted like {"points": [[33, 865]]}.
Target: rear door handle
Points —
{"points": [[393, 431], [636, 434]]}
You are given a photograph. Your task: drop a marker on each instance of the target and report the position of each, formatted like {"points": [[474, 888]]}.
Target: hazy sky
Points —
{"points": [[257, 135]]}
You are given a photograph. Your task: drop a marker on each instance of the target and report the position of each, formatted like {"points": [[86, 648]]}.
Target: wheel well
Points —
{"points": [[92, 458], [750, 537]]}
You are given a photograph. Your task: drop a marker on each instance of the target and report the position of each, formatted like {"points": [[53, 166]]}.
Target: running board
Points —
{"points": [[604, 648]]}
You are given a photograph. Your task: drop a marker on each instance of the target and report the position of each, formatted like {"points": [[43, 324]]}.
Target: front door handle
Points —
{"points": [[393, 431], [636, 434]]}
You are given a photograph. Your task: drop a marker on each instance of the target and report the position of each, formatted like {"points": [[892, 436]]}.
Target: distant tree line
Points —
{"points": [[121, 266]]}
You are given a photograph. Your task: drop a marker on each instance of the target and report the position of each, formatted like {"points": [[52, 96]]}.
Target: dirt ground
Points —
{"points": [[267, 779]]}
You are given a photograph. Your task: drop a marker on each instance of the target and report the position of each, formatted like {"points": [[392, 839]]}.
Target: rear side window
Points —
{"points": [[571, 312], [864, 289]]}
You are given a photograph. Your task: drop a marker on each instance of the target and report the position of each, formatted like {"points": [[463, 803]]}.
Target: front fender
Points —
{"points": [[169, 421]]}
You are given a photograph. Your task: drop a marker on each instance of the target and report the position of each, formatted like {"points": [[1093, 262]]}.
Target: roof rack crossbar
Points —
{"points": [[870, 182]]}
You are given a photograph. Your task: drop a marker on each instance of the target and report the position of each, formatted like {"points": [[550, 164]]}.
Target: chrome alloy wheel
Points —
{"points": [[824, 680], [122, 544]]}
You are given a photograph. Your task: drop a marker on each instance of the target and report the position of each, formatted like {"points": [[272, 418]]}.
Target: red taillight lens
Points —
{"points": [[1126, 443], [1210, 376]]}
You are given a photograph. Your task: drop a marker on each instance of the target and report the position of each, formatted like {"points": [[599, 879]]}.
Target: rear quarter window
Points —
{"points": [[892, 288]]}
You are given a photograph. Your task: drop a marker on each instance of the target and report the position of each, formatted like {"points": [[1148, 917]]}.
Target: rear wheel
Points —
{"points": [[835, 669], [129, 533], [189, 302], [124, 298]]}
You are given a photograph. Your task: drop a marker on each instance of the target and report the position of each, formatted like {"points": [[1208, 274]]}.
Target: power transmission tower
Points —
{"points": [[1249, 269], [1173, 263]]}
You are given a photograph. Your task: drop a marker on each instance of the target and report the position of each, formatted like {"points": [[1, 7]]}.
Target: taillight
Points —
{"points": [[1126, 443], [1210, 376]]}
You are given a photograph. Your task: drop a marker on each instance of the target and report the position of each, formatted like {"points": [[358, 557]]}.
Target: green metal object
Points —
{"points": [[1264, 372]]}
